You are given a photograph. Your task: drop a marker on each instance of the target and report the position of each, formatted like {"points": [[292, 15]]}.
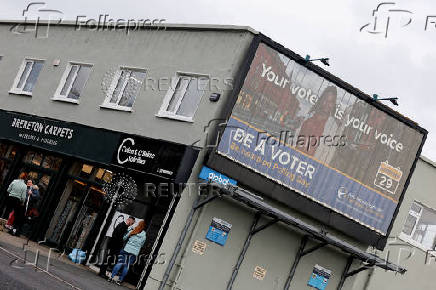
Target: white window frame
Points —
{"points": [[57, 95], [163, 113], [106, 103], [409, 238], [19, 91]]}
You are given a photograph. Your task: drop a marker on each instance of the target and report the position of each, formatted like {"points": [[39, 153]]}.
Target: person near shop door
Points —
{"points": [[135, 240], [17, 191], [32, 197], [115, 244]]}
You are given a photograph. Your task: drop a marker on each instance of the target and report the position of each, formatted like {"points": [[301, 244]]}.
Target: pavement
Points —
{"points": [[27, 265]]}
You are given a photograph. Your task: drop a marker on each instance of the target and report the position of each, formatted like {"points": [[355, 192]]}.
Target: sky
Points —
{"points": [[397, 61]]}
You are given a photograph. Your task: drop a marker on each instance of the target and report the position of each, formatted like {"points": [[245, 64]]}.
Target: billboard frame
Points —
{"points": [[379, 240]]}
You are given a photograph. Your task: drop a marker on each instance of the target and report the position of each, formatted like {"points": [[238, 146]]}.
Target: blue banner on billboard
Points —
{"points": [[300, 172]]}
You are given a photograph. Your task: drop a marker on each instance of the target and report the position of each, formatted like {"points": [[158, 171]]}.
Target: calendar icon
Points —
{"points": [[388, 177]]}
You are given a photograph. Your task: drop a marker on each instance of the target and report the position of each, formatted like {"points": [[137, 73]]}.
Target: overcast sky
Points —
{"points": [[400, 65]]}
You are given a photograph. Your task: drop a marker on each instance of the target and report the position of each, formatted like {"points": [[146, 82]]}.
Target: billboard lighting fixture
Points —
{"points": [[324, 60], [392, 100]]}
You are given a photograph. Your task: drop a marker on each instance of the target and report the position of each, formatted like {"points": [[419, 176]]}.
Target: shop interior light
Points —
{"points": [[324, 60], [392, 100]]}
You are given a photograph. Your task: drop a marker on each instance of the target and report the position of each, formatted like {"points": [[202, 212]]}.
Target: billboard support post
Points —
{"points": [[301, 253], [198, 204], [303, 243], [244, 251], [345, 273]]}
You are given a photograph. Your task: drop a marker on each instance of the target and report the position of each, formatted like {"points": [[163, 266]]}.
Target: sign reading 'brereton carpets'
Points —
{"points": [[59, 136], [302, 131]]}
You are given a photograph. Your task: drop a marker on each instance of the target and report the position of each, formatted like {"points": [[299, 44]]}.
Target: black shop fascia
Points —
{"points": [[84, 157]]}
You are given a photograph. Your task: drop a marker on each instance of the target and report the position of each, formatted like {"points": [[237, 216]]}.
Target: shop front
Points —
{"points": [[74, 168]]}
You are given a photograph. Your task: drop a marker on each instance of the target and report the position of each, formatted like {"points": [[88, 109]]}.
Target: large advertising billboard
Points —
{"points": [[304, 132]]}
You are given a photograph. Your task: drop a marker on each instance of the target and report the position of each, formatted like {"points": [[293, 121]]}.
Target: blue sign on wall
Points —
{"points": [[218, 231], [319, 278], [212, 175]]}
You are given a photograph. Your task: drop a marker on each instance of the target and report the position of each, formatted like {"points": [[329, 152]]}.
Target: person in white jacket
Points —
{"points": [[17, 191]]}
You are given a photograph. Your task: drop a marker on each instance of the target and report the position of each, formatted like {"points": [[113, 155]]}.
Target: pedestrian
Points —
{"points": [[135, 240], [115, 244], [32, 197], [16, 198]]}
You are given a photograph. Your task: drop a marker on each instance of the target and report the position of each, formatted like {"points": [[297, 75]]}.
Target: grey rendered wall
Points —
{"points": [[419, 275], [273, 249], [162, 52]]}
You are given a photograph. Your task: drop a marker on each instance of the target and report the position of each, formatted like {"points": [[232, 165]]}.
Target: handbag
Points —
{"points": [[11, 219]]}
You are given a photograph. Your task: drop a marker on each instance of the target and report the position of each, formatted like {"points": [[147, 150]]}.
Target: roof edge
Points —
{"points": [[428, 161], [172, 26]]}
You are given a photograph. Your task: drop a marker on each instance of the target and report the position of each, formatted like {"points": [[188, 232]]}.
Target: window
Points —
{"points": [[73, 82], [182, 99], [124, 88], [27, 76], [420, 227]]}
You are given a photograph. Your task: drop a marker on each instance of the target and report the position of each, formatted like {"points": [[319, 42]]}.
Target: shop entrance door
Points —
{"points": [[8, 154], [79, 207], [41, 169]]}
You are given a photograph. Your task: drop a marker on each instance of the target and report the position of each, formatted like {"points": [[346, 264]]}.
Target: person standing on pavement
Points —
{"points": [[115, 244], [17, 191], [32, 196], [135, 240]]}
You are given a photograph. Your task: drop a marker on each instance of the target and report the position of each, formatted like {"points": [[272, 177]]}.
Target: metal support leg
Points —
{"points": [[344, 274], [296, 261], [314, 248], [243, 252], [182, 237], [357, 271], [262, 227]]}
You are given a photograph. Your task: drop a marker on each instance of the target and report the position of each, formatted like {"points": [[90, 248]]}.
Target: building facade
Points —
{"points": [[412, 240], [81, 106], [86, 112]]}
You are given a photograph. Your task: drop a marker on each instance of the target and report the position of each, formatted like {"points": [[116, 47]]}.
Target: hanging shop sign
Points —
{"points": [[211, 175], [295, 127], [319, 278], [218, 231]]}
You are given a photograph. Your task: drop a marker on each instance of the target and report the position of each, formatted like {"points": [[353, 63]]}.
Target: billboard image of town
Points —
{"points": [[304, 132]]}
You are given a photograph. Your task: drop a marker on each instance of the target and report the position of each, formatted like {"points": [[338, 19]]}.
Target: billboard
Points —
{"points": [[304, 132]]}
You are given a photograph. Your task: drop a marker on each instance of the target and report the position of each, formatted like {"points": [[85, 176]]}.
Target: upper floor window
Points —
{"points": [[183, 97], [124, 89], [27, 76], [420, 227], [73, 82]]}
